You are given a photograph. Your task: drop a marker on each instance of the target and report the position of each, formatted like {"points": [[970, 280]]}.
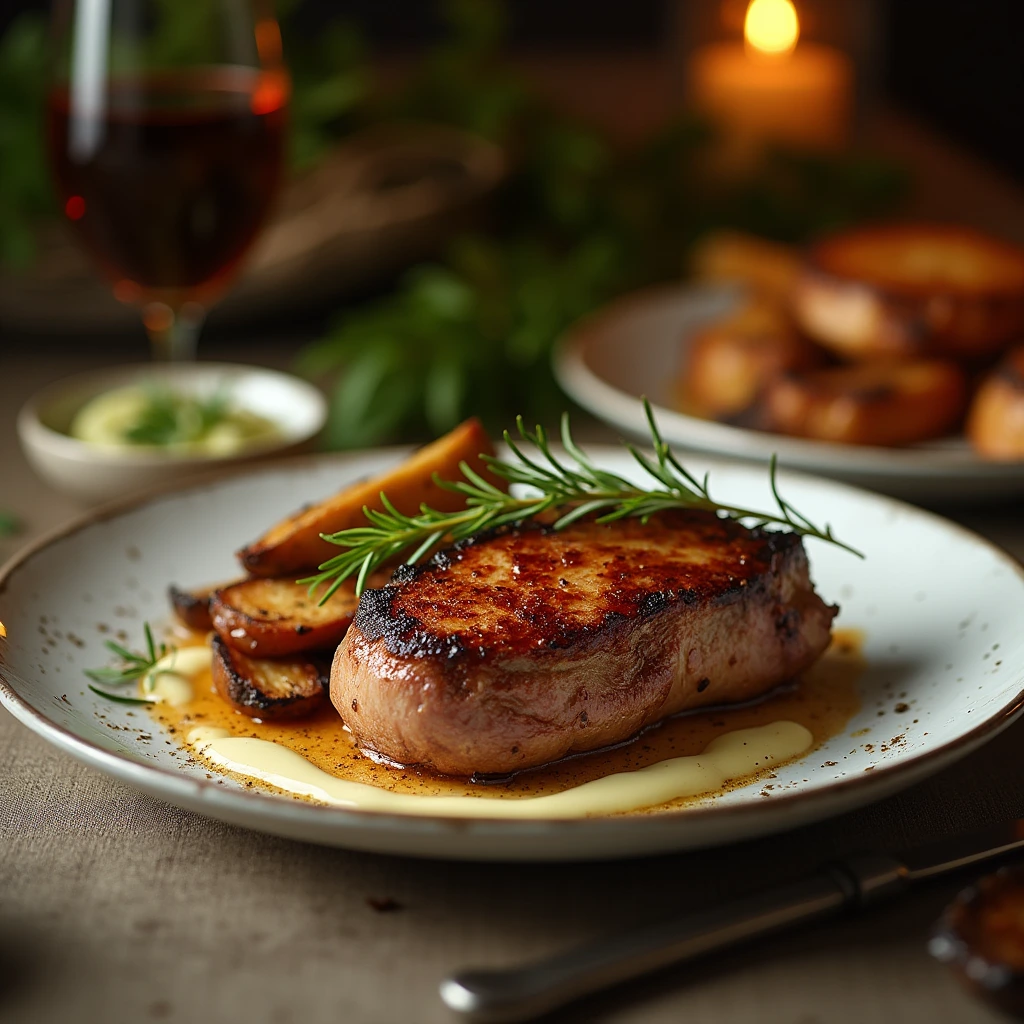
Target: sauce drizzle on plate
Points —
{"points": [[817, 706]]}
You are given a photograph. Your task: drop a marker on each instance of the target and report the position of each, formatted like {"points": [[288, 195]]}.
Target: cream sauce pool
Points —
{"points": [[686, 758]]}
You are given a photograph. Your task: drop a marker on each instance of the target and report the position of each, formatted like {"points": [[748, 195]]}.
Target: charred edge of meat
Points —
{"points": [[776, 541], [402, 634], [405, 636]]}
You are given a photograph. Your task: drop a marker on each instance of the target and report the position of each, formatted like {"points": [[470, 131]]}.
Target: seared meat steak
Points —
{"points": [[516, 648]]}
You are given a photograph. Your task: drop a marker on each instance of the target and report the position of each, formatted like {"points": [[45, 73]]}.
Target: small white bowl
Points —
{"points": [[93, 473]]}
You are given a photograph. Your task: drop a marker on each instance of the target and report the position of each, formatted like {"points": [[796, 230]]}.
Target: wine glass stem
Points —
{"points": [[173, 333]]}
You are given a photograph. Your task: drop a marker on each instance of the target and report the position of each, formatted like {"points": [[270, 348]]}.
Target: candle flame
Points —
{"points": [[771, 27]]}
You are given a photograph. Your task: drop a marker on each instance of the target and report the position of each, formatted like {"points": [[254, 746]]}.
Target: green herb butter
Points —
{"points": [[157, 417]]}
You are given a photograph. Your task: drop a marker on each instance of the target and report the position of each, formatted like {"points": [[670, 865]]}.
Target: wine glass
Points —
{"points": [[166, 123]]}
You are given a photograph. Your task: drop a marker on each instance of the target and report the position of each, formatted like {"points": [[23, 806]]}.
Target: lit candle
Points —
{"points": [[772, 87]]}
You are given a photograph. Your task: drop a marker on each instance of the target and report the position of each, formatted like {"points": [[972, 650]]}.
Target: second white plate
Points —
{"points": [[635, 347]]}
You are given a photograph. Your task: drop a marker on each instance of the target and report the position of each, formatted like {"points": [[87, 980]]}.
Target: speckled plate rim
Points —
{"points": [[493, 839]]}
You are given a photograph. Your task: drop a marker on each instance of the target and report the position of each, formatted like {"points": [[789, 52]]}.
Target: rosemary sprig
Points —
{"points": [[133, 666], [120, 698], [576, 490]]}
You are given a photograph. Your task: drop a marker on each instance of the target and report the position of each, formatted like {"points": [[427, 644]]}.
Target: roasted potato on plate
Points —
{"points": [[995, 422], [192, 607], [902, 291], [294, 546], [728, 363], [872, 403], [262, 688], [767, 268], [272, 618]]}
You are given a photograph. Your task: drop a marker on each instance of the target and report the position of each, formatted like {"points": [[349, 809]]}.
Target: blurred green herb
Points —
{"points": [[462, 81], [575, 224], [330, 85], [10, 524], [25, 194], [180, 34], [170, 418]]}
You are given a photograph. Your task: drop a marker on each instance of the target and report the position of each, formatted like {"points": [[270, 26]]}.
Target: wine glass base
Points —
{"points": [[173, 333]]}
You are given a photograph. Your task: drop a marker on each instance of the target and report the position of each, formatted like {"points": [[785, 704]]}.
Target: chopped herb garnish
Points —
{"points": [[574, 491], [169, 418], [119, 698], [133, 666]]}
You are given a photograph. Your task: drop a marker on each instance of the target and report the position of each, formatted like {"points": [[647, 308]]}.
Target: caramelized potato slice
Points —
{"points": [[912, 291], [873, 403], [272, 618], [294, 546], [995, 422], [192, 607], [261, 688], [729, 363]]}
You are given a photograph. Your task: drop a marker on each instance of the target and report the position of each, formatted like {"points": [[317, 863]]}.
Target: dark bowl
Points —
{"points": [[980, 937]]}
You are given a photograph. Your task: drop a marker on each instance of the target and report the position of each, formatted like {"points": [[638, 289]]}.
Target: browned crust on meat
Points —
{"points": [[262, 688], [516, 649], [511, 622]]}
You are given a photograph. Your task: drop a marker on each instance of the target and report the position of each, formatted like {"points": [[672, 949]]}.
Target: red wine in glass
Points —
{"points": [[167, 177]]}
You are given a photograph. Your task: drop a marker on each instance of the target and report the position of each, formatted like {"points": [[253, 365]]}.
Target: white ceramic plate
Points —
{"points": [[635, 347], [942, 612]]}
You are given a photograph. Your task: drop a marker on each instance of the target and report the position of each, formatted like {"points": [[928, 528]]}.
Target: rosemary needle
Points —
{"points": [[575, 491], [133, 666]]}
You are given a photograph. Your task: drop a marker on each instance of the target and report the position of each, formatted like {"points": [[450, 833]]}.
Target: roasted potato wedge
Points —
{"points": [[273, 618], [262, 688], [768, 268], [912, 291], [295, 546], [728, 363], [192, 607], [871, 403], [995, 422]]}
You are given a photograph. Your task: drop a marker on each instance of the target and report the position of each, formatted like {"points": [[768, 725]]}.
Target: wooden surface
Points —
{"points": [[115, 907]]}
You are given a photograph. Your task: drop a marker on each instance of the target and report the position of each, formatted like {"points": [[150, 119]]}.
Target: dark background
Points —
{"points": [[957, 65]]}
